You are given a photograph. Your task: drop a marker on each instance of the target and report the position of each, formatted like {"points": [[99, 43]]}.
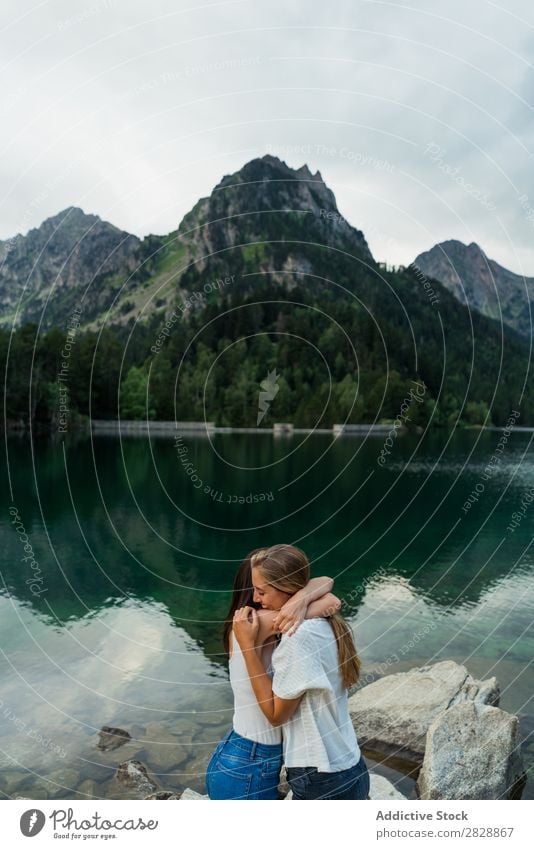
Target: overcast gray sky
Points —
{"points": [[418, 114]]}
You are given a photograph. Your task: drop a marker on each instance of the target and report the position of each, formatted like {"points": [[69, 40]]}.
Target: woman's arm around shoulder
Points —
{"points": [[296, 610]]}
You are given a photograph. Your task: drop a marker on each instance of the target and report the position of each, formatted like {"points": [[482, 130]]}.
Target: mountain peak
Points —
{"points": [[479, 282], [264, 219], [242, 205], [449, 245], [269, 167], [70, 251], [75, 211], [70, 215]]}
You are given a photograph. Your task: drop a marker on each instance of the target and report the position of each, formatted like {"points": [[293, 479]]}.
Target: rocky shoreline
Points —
{"points": [[437, 719], [448, 727], [435, 723]]}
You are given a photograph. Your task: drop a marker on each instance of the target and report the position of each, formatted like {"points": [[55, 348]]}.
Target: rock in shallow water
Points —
{"points": [[112, 738], [392, 715], [62, 782], [88, 788], [134, 774], [472, 752], [162, 795]]}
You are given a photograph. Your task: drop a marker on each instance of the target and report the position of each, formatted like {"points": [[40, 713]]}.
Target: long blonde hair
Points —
{"points": [[286, 568]]}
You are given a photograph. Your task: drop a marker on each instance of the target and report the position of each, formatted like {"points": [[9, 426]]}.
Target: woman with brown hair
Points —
{"points": [[246, 763], [308, 694]]}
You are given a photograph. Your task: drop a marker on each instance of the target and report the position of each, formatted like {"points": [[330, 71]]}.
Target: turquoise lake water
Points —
{"points": [[121, 623]]}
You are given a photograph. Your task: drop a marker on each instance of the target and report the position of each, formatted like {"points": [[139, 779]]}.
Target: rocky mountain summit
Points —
{"points": [[481, 283], [267, 223], [264, 201], [46, 272], [266, 214]]}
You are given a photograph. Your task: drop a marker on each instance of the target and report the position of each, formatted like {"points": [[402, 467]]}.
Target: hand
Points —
{"points": [[291, 615], [246, 627]]}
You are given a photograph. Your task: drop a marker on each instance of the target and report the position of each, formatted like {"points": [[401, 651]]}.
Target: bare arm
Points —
{"points": [[294, 611], [325, 606], [246, 629], [315, 588]]}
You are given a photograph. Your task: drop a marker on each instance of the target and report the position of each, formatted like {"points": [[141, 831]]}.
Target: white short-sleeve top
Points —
{"points": [[320, 733], [248, 720]]}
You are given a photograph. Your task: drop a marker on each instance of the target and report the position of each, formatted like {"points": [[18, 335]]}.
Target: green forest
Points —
{"points": [[341, 353]]}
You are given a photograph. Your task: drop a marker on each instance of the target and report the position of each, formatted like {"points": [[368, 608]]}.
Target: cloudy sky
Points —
{"points": [[418, 113]]}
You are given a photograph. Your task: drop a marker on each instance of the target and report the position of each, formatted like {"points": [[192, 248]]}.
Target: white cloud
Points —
{"points": [[135, 110]]}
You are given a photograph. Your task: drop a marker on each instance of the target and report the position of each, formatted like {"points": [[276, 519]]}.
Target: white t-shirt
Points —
{"points": [[249, 721], [320, 732]]}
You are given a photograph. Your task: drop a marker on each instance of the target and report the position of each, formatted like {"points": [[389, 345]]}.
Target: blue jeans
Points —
{"points": [[242, 769], [307, 783]]}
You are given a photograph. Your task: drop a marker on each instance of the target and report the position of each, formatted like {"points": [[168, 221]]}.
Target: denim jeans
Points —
{"points": [[307, 783], [242, 769]]}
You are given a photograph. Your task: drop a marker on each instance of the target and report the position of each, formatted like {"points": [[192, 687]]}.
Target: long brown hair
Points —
{"points": [[287, 568], [242, 595]]}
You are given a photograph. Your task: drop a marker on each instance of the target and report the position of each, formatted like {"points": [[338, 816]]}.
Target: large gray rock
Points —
{"points": [[192, 795], [381, 788], [472, 752], [392, 716]]}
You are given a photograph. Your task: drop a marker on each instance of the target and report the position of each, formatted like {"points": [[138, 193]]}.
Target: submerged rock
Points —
{"points": [[392, 716], [10, 779], [134, 774], [162, 749], [88, 788], [62, 782], [472, 752], [112, 738]]}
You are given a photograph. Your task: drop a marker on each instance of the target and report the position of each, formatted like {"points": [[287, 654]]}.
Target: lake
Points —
{"points": [[114, 617]]}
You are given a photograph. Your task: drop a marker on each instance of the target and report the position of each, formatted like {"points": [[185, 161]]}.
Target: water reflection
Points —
{"points": [[137, 583]]}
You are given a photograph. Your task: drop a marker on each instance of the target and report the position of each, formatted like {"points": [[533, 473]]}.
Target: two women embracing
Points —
{"points": [[292, 661]]}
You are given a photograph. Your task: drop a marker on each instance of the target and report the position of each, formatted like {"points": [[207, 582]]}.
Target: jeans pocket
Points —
{"points": [[230, 761], [270, 769], [349, 784], [227, 780], [324, 785]]}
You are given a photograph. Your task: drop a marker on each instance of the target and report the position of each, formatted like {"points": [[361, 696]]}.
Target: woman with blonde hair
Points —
{"points": [[308, 695], [246, 763]]}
